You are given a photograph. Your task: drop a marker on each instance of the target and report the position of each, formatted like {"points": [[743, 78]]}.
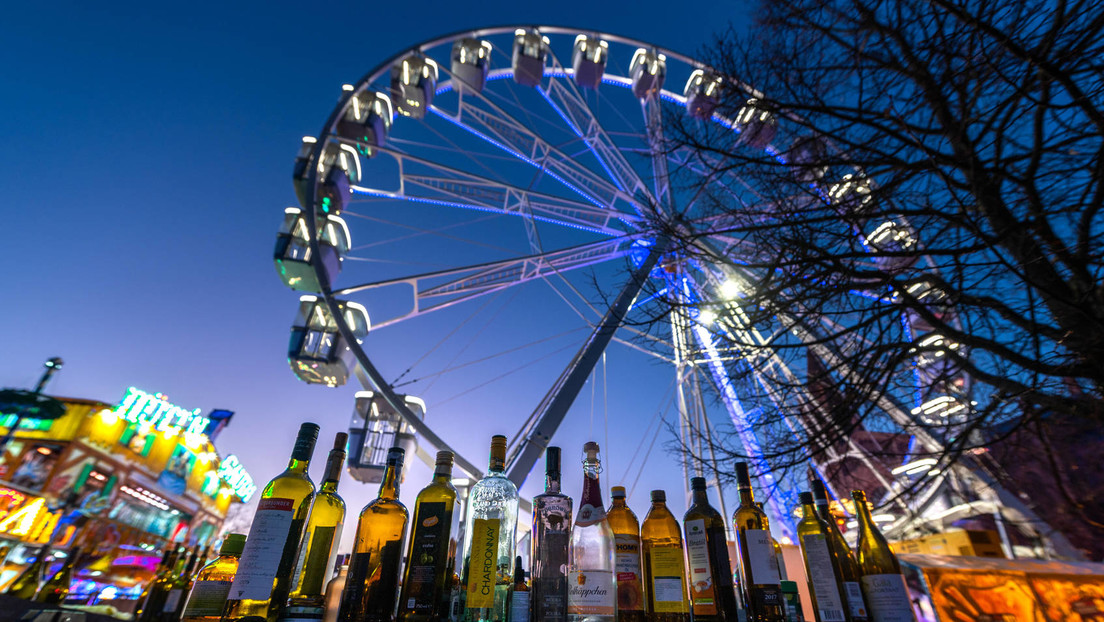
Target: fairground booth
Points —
{"points": [[123, 482]]}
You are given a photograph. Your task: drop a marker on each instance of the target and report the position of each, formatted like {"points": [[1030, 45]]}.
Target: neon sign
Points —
{"points": [[153, 411], [234, 474]]}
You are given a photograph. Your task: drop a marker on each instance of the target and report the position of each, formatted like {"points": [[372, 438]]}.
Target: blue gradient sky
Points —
{"points": [[146, 159]]}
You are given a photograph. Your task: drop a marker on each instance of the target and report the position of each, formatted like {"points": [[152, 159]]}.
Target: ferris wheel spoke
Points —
{"points": [[658, 148], [498, 128], [441, 289], [565, 98], [425, 181]]}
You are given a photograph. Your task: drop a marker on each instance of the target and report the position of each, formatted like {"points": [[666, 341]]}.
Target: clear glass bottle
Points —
{"points": [[321, 536], [207, 598], [55, 590], [334, 589], [551, 538], [664, 564], [841, 556], [371, 587], [592, 588], [263, 580], [883, 585], [519, 595], [489, 531], [712, 595], [626, 538], [759, 579], [428, 575], [823, 575]]}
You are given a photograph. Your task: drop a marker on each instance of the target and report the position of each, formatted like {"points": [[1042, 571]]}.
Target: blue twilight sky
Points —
{"points": [[145, 161]]}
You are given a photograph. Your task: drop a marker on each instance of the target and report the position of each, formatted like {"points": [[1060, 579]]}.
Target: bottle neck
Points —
{"points": [[862, 511], [699, 497], [389, 489], [442, 474], [618, 502], [592, 488], [333, 470], [552, 483], [808, 511], [747, 497], [295, 465]]}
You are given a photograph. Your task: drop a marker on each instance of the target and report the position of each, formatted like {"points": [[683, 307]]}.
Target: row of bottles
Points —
{"points": [[29, 586], [587, 566]]}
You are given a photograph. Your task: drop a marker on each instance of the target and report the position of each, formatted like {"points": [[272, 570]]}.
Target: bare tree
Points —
{"points": [[914, 191]]}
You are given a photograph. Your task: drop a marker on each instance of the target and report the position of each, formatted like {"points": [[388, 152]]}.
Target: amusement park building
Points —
{"points": [[123, 482]]}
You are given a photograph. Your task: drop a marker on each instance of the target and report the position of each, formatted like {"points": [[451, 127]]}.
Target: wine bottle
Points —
{"points": [[712, 595], [550, 542], [321, 535], [519, 595], [626, 538], [824, 579], [178, 590], [664, 569], [334, 589], [883, 585], [26, 584], [759, 579], [207, 598], [841, 555], [592, 589], [56, 588], [489, 531], [371, 588], [158, 590], [263, 579], [426, 582]]}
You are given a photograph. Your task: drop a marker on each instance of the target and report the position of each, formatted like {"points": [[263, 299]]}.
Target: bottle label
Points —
{"points": [[702, 597], [591, 592], [763, 598], [763, 564], [172, 600], [630, 590], [519, 606], [315, 568], [207, 599], [428, 556], [264, 549], [590, 515], [668, 580], [483, 563], [855, 599], [888, 598], [818, 563]]}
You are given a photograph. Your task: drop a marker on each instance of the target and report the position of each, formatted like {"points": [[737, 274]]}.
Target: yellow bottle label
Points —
{"points": [[668, 580], [483, 563]]}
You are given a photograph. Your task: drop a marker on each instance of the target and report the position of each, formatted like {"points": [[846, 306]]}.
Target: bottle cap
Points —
{"points": [[498, 448], [697, 483], [659, 496], [590, 451], [396, 456], [820, 493], [340, 440], [742, 476], [304, 441], [789, 587], [444, 458], [234, 544], [552, 461], [617, 492], [859, 496], [805, 498], [519, 570]]}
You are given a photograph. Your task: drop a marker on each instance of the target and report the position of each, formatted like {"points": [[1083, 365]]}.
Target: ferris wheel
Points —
{"points": [[524, 172]]}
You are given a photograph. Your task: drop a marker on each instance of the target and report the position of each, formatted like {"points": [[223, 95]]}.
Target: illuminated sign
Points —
{"points": [[234, 474], [153, 411], [25, 517]]}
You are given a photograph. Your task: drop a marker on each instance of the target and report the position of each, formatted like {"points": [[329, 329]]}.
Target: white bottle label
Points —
{"points": [[208, 598], [764, 567], [887, 597], [823, 578], [855, 599], [697, 551], [263, 549], [519, 607], [591, 592]]}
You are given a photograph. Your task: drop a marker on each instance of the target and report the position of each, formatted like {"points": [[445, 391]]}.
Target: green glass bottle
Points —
{"points": [[841, 556], [758, 566], [825, 583], [430, 556], [883, 585], [263, 580], [25, 585], [158, 590], [320, 539]]}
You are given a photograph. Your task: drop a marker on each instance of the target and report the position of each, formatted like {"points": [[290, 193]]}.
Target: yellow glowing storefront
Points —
{"points": [[121, 481]]}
